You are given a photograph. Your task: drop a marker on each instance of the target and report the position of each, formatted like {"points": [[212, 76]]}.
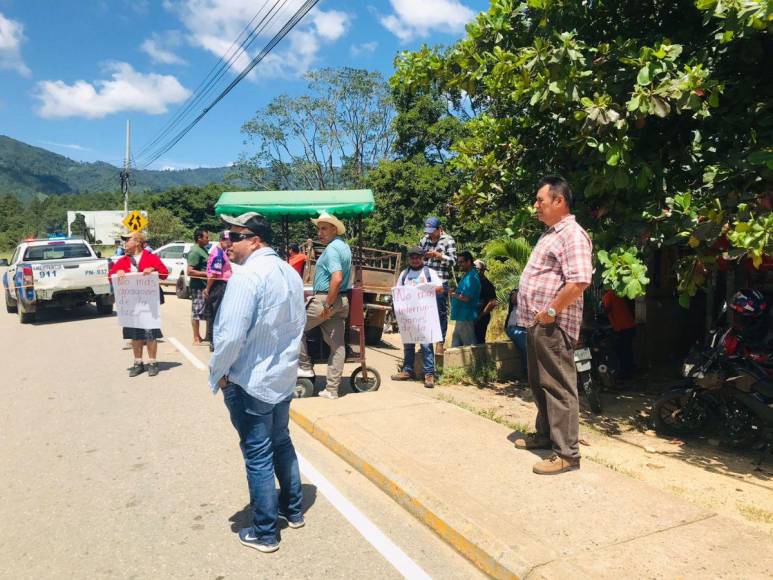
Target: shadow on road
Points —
{"points": [[46, 316], [243, 518]]}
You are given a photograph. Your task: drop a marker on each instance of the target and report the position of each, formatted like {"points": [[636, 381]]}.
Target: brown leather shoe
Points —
{"points": [[533, 441], [402, 376], [554, 465], [429, 381]]}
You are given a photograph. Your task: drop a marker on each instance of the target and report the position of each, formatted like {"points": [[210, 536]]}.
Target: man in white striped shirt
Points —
{"points": [[258, 331]]}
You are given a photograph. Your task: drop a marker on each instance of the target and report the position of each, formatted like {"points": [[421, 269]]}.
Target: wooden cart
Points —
{"points": [[375, 271]]}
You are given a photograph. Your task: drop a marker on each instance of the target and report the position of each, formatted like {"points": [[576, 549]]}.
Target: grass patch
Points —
{"points": [[492, 414], [479, 374], [611, 465], [755, 514]]}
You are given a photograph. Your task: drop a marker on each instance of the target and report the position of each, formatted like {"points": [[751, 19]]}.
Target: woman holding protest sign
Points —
{"points": [[137, 260]]}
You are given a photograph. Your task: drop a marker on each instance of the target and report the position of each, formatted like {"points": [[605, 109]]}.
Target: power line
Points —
{"points": [[214, 75], [260, 27], [289, 25]]}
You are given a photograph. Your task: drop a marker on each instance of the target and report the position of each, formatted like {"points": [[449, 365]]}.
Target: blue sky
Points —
{"points": [[73, 71]]}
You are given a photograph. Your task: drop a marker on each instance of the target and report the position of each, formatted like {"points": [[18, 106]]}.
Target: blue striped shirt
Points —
{"points": [[258, 328]]}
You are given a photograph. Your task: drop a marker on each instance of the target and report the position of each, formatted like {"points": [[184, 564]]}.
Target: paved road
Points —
{"points": [[107, 476]]}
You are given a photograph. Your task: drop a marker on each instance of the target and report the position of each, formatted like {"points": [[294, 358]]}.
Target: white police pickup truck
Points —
{"points": [[56, 272]]}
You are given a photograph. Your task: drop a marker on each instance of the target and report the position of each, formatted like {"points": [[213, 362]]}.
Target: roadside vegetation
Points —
{"points": [[655, 111]]}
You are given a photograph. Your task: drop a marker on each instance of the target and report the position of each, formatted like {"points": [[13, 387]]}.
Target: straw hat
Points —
{"points": [[330, 219]]}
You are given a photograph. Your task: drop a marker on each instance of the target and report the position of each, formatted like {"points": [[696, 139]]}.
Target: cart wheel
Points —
{"points": [[304, 388], [360, 385]]}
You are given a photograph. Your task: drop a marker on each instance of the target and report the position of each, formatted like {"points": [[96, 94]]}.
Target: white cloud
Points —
{"points": [[160, 47], [414, 18], [126, 90], [364, 48], [330, 25], [73, 146], [11, 38], [214, 25]]}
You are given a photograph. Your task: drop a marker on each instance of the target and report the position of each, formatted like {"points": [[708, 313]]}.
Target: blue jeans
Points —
{"points": [[442, 310], [409, 358], [518, 335], [464, 333], [267, 450]]}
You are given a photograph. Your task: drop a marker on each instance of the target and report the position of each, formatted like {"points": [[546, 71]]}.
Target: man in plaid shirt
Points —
{"points": [[439, 255], [550, 307]]}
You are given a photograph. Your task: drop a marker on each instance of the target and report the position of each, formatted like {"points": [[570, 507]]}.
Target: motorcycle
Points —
{"points": [[721, 390], [595, 363], [600, 339], [583, 362]]}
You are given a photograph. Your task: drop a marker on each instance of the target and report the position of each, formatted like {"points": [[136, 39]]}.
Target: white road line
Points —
{"points": [[188, 354], [386, 547]]}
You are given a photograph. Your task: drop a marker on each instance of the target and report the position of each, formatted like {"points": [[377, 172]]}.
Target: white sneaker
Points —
{"points": [[306, 373], [327, 395]]}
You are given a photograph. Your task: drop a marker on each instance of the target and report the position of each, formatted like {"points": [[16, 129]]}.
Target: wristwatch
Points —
{"points": [[551, 312]]}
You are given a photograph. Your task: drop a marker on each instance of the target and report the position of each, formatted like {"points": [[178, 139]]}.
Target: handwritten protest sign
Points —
{"points": [[416, 312], [137, 300]]}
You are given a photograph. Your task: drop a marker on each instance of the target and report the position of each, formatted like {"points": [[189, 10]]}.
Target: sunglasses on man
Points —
{"points": [[239, 236]]}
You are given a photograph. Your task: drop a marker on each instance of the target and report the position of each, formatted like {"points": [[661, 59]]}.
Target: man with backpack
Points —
{"points": [[418, 274]]}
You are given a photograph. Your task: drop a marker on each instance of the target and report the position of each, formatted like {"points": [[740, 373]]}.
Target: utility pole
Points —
{"points": [[125, 172]]}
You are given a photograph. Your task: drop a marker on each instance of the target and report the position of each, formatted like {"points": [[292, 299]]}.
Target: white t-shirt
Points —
{"points": [[410, 277]]}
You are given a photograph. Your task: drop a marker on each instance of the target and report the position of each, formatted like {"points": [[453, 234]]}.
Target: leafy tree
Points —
{"points": [[164, 227], [638, 104], [79, 228], [419, 181], [326, 139]]}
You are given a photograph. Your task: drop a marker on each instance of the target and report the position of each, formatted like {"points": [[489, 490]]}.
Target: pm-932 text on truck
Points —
{"points": [[55, 273]]}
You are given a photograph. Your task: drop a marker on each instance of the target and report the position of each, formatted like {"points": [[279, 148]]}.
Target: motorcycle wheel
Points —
{"points": [[590, 391], [679, 413], [606, 376]]}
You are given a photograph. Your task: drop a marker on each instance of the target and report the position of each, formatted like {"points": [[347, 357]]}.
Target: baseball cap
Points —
{"points": [[415, 251], [224, 235], [431, 225], [253, 221]]}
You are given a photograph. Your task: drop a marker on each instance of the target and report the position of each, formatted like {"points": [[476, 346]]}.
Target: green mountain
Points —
{"points": [[26, 171]]}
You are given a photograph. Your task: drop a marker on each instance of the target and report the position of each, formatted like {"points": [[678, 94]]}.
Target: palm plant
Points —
{"points": [[506, 258]]}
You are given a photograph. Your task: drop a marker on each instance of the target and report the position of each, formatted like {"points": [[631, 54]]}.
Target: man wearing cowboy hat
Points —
{"points": [[329, 306]]}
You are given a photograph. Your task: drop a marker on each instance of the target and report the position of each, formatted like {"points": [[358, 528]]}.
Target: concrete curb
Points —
{"points": [[488, 559]]}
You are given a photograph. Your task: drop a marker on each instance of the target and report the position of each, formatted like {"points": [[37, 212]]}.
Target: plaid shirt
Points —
{"points": [[445, 245], [562, 255]]}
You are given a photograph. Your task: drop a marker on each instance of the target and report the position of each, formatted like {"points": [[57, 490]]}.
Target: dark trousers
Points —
{"points": [[553, 381], [481, 327], [624, 350], [216, 294], [442, 310]]}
